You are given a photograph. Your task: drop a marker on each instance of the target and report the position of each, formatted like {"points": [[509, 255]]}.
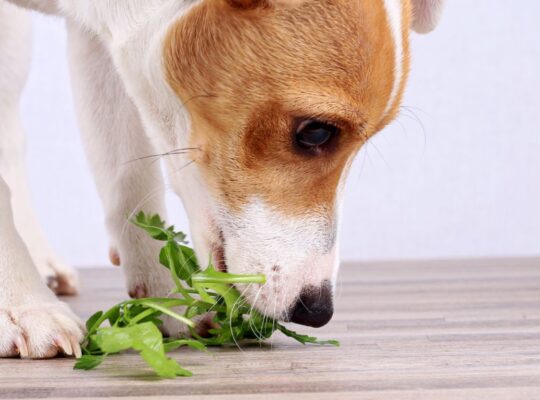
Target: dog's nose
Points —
{"points": [[314, 306]]}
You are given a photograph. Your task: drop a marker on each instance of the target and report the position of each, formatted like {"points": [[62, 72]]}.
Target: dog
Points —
{"points": [[257, 108]]}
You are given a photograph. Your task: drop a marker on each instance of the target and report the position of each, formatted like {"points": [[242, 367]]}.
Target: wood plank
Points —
{"points": [[409, 330]]}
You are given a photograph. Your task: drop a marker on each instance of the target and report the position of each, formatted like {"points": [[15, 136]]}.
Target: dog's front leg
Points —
{"points": [[33, 323], [15, 49], [126, 179]]}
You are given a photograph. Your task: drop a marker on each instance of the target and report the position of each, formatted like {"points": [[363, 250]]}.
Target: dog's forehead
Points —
{"points": [[340, 47]]}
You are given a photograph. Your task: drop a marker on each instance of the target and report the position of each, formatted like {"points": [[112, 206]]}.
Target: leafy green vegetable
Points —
{"points": [[134, 324]]}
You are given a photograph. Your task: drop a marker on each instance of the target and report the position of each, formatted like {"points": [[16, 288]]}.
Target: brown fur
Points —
{"points": [[246, 74]]}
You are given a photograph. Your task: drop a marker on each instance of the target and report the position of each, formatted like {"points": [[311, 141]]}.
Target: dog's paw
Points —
{"points": [[59, 277], [172, 328], [40, 331], [114, 257]]}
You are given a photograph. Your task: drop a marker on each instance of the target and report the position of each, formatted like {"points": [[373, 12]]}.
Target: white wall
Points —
{"points": [[458, 175]]}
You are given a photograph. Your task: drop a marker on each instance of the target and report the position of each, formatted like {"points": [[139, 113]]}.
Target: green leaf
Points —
{"points": [[192, 265], [115, 340], [175, 344], [161, 364], [179, 261], [180, 237], [91, 322], [88, 362], [113, 315], [153, 225], [305, 339]]}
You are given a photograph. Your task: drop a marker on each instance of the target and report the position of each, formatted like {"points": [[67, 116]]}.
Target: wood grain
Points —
{"points": [[409, 330]]}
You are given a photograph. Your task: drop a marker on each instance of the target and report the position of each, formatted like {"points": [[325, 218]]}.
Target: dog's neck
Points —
{"points": [[118, 20]]}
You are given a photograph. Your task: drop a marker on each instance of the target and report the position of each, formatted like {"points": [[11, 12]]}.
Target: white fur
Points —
{"points": [[44, 6], [394, 11]]}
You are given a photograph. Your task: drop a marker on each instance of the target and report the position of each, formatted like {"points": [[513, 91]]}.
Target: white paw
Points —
{"points": [[173, 328], [40, 331], [62, 279]]}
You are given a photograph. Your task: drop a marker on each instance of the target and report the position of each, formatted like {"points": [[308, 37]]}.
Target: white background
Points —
{"points": [[458, 175]]}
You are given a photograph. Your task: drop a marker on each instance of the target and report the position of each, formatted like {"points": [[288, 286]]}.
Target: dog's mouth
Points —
{"points": [[254, 296], [218, 253]]}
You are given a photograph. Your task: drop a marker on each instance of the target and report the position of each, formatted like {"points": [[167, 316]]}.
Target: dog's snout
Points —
{"points": [[314, 307]]}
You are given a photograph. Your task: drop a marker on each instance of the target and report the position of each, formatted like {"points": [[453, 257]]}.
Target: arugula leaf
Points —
{"points": [[156, 228], [164, 366], [175, 344], [88, 362], [144, 338], [115, 340], [91, 323], [305, 339], [179, 260], [134, 324]]}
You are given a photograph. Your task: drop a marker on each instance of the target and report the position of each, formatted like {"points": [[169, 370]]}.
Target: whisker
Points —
{"points": [[179, 151], [274, 317], [256, 330], [286, 316], [362, 165], [184, 166], [239, 300], [414, 116], [157, 191], [304, 304], [370, 142], [265, 318]]}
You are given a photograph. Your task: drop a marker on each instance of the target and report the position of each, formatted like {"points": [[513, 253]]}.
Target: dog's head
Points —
{"points": [[281, 95]]}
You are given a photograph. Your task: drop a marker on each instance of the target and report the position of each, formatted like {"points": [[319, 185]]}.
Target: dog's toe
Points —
{"points": [[59, 277], [139, 291], [68, 284], [114, 257], [40, 331]]}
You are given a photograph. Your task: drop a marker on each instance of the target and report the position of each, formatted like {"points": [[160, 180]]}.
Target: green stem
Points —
{"points": [[171, 268], [172, 314], [229, 279]]}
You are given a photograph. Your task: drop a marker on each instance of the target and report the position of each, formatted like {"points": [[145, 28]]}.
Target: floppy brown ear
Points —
{"points": [[251, 4], [426, 14]]}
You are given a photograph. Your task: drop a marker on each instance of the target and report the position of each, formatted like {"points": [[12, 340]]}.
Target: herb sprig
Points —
{"points": [[134, 324]]}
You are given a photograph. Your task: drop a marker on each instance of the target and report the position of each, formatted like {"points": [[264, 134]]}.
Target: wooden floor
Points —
{"points": [[429, 330]]}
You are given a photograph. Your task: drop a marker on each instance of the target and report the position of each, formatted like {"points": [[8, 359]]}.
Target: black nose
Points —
{"points": [[314, 306]]}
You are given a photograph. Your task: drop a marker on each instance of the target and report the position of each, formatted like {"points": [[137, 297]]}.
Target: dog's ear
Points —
{"points": [[252, 4], [426, 14]]}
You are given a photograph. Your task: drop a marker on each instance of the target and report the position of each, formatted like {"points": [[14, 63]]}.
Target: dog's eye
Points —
{"points": [[312, 135]]}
